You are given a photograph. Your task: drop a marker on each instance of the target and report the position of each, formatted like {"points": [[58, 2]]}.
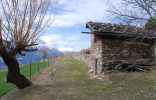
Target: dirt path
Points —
{"points": [[55, 82], [68, 79], [43, 84]]}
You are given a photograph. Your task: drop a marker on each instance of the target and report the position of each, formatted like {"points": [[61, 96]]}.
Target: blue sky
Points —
{"points": [[71, 19]]}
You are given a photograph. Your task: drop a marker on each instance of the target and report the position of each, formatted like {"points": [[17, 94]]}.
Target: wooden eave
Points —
{"points": [[119, 34]]}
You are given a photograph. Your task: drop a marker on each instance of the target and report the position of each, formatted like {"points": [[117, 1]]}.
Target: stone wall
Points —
{"points": [[123, 50], [96, 54], [114, 50], [104, 50], [92, 57], [84, 55]]}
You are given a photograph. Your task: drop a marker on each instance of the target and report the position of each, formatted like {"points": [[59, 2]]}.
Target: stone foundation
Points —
{"points": [[104, 50]]}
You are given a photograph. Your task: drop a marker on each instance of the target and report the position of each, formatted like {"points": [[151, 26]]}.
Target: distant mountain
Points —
{"points": [[68, 52], [2, 65], [65, 49], [35, 56], [61, 47], [54, 51]]}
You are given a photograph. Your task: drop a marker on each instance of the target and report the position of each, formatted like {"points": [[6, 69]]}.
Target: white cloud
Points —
{"points": [[60, 38], [71, 16], [61, 43], [76, 41], [77, 12], [73, 38], [65, 49], [50, 38], [63, 46]]}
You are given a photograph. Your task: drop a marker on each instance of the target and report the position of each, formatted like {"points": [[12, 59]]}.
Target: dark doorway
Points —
{"points": [[95, 69]]}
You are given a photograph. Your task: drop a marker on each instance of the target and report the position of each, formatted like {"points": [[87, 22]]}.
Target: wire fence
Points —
{"points": [[48, 60]]}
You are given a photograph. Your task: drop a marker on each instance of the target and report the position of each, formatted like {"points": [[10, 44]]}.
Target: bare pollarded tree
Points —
{"points": [[44, 50], [22, 22], [135, 11]]}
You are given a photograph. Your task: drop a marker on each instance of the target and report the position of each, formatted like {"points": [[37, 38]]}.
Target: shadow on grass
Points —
{"points": [[44, 92]]}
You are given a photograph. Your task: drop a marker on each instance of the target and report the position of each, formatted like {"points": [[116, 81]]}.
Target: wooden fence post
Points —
{"points": [[30, 69], [38, 66], [51, 59], [44, 62], [48, 61]]}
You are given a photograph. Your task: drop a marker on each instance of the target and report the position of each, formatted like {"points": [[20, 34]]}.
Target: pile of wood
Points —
{"points": [[128, 65]]}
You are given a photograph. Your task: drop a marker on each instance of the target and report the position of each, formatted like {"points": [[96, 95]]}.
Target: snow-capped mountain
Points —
{"points": [[37, 55], [65, 49]]}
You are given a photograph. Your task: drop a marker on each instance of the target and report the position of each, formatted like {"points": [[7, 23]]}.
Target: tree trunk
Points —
{"points": [[13, 75]]}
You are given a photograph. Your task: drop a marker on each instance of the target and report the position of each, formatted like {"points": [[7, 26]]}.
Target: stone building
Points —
{"points": [[111, 43], [85, 56]]}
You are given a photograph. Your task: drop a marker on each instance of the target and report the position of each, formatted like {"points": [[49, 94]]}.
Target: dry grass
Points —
{"points": [[69, 80]]}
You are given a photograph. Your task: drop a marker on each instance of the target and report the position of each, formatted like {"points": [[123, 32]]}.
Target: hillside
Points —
{"points": [[68, 79], [33, 56]]}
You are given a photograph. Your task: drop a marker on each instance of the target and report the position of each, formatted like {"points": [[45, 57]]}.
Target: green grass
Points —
{"points": [[72, 82], [25, 70], [75, 71], [125, 86]]}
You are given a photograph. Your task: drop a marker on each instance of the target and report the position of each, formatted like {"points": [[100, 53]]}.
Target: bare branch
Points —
{"points": [[23, 22], [44, 50], [134, 10]]}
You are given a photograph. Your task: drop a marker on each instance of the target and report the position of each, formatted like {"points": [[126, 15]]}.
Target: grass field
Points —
{"points": [[25, 70], [75, 84], [69, 80]]}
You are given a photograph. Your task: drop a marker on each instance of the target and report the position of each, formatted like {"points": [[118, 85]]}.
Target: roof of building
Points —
{"points": [[118, 30]]}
